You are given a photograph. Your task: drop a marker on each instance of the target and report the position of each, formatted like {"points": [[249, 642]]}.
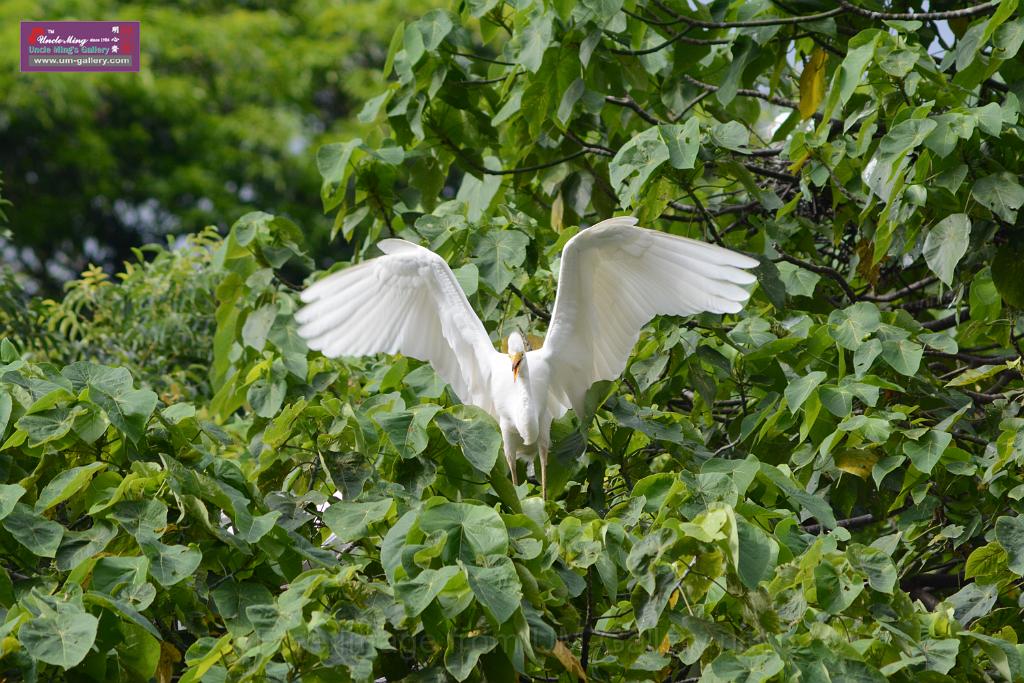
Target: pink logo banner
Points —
{"points": [[80, 45]]}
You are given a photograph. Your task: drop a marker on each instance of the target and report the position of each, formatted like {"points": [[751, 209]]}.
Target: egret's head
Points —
{"points": [[516, 351]]}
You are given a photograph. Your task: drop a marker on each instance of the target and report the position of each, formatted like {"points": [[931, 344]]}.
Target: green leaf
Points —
{"points": [[730, 135], [1010, 534], [939, 655], [497, 254], [1000, 193], [417, 593], [9, 495], [121, 608], [946, 244], [972, 376], [682, 142], [926, 451], [986, 305], [462, 654], [139, 650], [474, 531], [497, 587], [848, 76], [40, 535], [849, 326], [757, 667], [474, 431], [636, 161], [875, 565], [351, 521], [332, 160], [435, 25], [257, 326], [903, 355], [800, 389], [128, 411], [48, 425], [815, 505], [66, 484], [78, 546], [798, 281], [758, 553], [407, 429], [530, 42], [835, 589], [170, 564], [266, 396], [61, 639]]}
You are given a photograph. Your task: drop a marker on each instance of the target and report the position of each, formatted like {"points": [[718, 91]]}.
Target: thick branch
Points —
{"points": [[714, 211], [750, 23], [902, 292], [945, 323], [922, 16]]}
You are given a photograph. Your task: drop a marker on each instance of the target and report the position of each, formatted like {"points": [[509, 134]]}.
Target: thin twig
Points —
{"points": [[828, 272]]}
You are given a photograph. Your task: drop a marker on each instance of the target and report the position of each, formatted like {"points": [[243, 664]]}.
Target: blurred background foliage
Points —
{"points": [[226, 114]]}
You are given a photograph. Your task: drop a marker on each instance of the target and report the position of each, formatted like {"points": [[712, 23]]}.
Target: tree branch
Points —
{"points": [[850, 523], [922, 16], [534, 308], [902, 292], [945, 323], [830, 273], [750, 23], [630, 103]]}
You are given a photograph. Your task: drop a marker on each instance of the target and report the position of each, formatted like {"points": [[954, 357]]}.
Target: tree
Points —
{"points": [[225, 115], [826, 486]]}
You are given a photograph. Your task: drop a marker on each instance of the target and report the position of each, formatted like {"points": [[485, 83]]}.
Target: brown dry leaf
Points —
{"points": [[866, 266], [569, 661], [169, 656], [812, 83]]}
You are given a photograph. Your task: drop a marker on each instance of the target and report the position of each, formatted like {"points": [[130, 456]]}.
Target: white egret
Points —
{"points": [[614, 278]]}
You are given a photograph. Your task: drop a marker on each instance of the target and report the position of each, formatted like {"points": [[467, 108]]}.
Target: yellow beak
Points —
{"points": [[517, 360]]}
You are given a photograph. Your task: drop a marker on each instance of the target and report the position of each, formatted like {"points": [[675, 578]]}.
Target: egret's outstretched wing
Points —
{"points": [[407, 301], [614, 278]]}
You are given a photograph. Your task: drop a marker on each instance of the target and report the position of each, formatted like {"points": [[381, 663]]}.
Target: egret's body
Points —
{"points": [[614, 278]]}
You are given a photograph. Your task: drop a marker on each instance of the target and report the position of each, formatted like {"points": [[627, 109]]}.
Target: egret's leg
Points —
{"points": [[542, 450], [510, 446]]}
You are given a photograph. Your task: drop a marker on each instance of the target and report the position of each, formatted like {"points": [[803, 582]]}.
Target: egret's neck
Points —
{"points": [[526, 408]]}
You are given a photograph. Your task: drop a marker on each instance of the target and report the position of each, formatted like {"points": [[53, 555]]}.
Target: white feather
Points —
{"points": [[614, 278]]}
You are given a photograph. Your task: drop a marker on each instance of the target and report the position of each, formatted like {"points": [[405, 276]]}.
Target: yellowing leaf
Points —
{"points": [[812, 83], [557, 211], [665, 645], [569, 661], [799, 163], [856, 461]]}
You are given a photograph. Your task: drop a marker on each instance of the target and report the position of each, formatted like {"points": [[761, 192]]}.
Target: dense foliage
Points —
{"points": [[225, 115], [826, 486]]}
